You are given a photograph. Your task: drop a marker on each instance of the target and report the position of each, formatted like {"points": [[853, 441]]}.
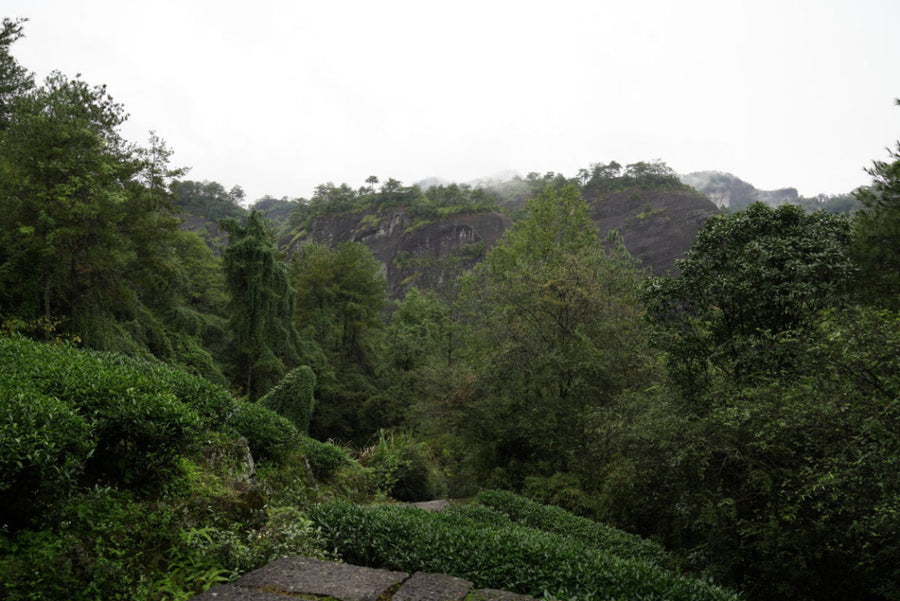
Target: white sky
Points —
{"points": [[279, 96]]}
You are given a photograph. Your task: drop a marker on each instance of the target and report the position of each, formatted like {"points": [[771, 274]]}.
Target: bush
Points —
{"points": [[505, 556], [324, 458], [270, 436], [293, 397], [138, 426], [404, 468], [554, 519], [44, 446]]}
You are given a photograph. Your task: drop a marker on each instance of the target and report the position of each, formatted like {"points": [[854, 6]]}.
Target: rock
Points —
{"points": [[306, 578], [325, 578], [432, 587]]}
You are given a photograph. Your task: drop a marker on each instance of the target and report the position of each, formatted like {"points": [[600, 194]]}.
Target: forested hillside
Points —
{"points": [[190, 388]]}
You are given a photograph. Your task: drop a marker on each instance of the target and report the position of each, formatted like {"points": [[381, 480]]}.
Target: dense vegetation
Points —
{"points": [[741, 413]]}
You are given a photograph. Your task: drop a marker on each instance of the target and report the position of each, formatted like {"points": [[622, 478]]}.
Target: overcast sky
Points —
{"points": [[279, 96]]}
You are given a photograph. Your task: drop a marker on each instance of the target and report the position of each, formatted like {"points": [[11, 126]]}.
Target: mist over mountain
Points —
{"points": [[731, 192]]}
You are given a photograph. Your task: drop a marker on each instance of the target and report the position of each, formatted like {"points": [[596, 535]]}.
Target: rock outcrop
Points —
{"points": [[730, 192], [308, 578], [422, 254], [657, 227]]}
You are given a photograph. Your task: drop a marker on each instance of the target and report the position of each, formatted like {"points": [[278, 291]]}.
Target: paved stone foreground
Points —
{"points": [[307, 578]]}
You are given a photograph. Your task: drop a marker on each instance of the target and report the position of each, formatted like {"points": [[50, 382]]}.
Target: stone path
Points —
{"points": [[315, 579]]}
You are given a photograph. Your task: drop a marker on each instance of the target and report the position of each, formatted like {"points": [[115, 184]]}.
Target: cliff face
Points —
{"points": [[424, 255], [728, 191], [657, 227]]}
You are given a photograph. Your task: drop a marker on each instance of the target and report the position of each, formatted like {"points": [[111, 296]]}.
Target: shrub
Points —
{"points": [[554, 519], [293, 397], [140, 438], [404, 468], [324, 458], [505, 556], [138, 427], [270, 436], [44, 445]]}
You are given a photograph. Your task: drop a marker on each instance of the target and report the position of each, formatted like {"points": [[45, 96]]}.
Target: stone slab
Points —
{"points": [[490, 594], [438, 505], [433, 587], [323, 578], [222, 592]]}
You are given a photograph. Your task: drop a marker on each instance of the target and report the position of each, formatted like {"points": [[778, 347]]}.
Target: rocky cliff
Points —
{"points": [[657, 226], [731, 192], [426, 255]]}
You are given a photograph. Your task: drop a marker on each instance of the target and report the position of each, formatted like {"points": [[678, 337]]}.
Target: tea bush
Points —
{"points": [[44, 446], [270, 436], [137, 426], [324, 458], [506, 556], [554, 519]]}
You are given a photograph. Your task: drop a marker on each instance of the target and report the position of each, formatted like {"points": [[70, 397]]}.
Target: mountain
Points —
{"points": [[428, 238], [731, 192], [657, 225], [424, 255]]}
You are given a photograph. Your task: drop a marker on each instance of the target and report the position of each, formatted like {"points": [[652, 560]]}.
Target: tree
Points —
{"points": [[15, 80], [561, 319], [371, 180], [748, 277], [877, 234], [261, 307], [340, 295], [66, 176]]}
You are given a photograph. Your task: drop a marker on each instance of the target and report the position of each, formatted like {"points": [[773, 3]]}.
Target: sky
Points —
{"points": [[281, 96]]}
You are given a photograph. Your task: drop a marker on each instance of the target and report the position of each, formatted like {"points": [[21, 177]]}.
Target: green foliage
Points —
{"points": [[208, 199], [44, 445], [877, 234], [403, 467], [14, 79], [609, 178], [324, 458], [498, 555], [57, 249], [748, 277], [340, 295], [111, 546], [293, 397], [270, 436], [784, 486], [558, 318], [553, 519], [261, 307], [138, 426]]}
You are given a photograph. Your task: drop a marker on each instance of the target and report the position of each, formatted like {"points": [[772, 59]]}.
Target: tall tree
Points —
{"points": [[748, 277], [261, 307], [340, 295], [15, 80], [560, 314], [65, 177], [877, 233]]}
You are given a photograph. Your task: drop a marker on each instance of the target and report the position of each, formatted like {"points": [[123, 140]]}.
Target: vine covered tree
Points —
{"points": [[261, 306]]}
